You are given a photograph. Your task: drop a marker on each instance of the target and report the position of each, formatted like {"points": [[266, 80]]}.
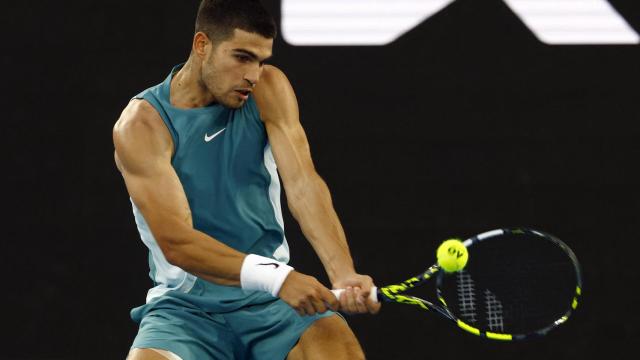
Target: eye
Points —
{"points": [[243, 58]]}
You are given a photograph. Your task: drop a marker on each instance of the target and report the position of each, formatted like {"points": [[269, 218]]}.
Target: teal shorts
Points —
{"points": [[263, 331]]}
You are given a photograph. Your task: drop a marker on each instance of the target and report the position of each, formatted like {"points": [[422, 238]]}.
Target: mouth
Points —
{"points": [[244, 93]]}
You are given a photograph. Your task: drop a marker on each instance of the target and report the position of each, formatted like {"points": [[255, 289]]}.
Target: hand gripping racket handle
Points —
{"points": [[373, 295]]}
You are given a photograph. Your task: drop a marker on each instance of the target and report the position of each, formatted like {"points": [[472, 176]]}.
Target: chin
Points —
{"points": [[235, 104]]}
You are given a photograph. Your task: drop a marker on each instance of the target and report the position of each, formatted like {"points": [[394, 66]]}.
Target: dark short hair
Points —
{"points": [[218, 19]]}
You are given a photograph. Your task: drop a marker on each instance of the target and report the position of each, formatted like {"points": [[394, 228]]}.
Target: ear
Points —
{"points": [[200, 43]]}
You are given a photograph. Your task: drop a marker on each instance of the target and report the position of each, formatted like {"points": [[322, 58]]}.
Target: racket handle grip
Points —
{"points": [[373, 295]]}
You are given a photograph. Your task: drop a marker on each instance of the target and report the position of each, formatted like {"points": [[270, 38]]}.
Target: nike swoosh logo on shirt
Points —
{"points": [[208, 138]]}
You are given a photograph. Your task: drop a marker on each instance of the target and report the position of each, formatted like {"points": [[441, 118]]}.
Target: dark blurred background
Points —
{"points": [[465, 124]]}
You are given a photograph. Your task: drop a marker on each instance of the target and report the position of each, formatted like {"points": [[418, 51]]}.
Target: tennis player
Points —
{"points": [[200, 155]]}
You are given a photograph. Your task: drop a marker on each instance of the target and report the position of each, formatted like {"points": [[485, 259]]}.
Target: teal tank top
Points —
{"points": [[224, 161]]}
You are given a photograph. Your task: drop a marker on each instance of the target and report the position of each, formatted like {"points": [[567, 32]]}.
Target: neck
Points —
{"points": [[187, 89]]}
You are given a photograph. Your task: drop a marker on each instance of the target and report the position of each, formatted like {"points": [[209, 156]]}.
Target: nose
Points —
{"points": [[253, 75]]}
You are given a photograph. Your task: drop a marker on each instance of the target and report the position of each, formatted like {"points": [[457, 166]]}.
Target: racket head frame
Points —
{"points": [[394, 293]]}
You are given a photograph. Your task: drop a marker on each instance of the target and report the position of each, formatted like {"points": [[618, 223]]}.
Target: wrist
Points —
{"points": [[263, 273], [338, 276]]}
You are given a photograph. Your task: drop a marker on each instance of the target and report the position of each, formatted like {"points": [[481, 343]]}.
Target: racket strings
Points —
{"points": [[495, 320], [467, 297]]}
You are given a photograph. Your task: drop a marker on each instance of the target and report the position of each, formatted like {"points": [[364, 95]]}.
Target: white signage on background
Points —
{"points": [[380, 22]]}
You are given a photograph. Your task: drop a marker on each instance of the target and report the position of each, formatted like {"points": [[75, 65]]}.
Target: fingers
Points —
{"points": [[318, 304], [357, 300], [329, 299], [353, 301], [307, 308], [372, 307], [306, 295], [360, 300]]}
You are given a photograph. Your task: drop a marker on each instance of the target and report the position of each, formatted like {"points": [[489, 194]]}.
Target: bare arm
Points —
{"points": [[143, 149], [308, 196], [143, 154]]}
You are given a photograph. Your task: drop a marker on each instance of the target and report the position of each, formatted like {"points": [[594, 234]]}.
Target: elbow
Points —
{"points": [[171, 250], [173, 257], [172, 239]]}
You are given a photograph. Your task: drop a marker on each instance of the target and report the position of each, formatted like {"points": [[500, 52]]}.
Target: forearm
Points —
{"points": [[204, 256], [313, 208]]}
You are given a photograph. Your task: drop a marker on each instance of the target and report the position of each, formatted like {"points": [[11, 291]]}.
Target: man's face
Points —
{"points": [[231, 69]]}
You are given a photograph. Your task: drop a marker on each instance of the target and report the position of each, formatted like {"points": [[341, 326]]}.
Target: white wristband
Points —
{"points": [[262, 273]]}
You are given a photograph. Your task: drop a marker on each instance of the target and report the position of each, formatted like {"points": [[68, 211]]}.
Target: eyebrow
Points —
{"points": [[251, 54]]}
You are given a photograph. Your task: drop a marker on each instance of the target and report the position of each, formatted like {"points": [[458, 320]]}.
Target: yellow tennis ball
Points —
{"points": [[452, 255]]}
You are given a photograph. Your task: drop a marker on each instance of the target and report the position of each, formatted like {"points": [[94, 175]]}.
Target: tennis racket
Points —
{"points": [[517, 284]]}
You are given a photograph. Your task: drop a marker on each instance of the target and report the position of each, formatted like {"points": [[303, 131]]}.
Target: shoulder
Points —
{"points": [[274, 95], [140, 131], [138, 116], [272, 78], [140, 119]]}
